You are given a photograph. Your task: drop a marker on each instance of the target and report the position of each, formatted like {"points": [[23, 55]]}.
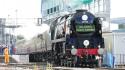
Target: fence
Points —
{"points": [[119, 60]]}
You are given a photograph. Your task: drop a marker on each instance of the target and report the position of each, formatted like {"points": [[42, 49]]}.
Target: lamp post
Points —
{"points": [[16, 17], [9, 34]]}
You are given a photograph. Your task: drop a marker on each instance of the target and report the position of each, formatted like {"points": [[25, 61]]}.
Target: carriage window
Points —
{"points": [[51, 10], [48, 11], [55, 9]]}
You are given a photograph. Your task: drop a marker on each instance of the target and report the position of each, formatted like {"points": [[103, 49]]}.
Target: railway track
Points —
{"points": [[34, 66]]}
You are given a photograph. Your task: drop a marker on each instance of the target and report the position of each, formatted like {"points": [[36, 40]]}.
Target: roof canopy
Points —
{"points": [[120, 20]]}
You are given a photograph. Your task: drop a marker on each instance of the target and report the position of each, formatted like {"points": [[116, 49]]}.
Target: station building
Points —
{"points": [[52, 8]]}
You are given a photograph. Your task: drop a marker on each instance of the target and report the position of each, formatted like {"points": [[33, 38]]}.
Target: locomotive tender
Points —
{"points": [[76, 40]]}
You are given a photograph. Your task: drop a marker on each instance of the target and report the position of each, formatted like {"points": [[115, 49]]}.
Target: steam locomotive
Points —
{"points": [[72, 40]]}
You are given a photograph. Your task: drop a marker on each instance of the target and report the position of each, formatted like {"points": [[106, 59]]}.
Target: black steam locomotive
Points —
{"points": [[76, 40]]}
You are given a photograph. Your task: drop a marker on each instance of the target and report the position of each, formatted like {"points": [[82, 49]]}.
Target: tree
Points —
{"points": [[86, 1]]}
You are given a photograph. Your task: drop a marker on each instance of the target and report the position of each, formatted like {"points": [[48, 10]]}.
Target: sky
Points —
{"points": [[32, 9], [117, 8], [25, 8]]}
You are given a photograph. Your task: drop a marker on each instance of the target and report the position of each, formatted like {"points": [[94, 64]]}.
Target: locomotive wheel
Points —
{"points": [[91, 66], [65, 62]]}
